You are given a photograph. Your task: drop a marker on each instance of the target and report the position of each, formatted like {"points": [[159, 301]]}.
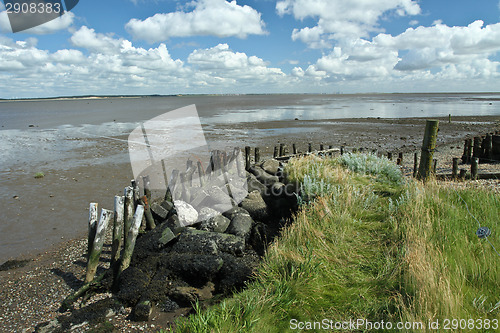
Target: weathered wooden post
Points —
{"points": [[321, 147], [400, 156], [150, 222], [137, 195], [147, 186], [341, 150], [247, 158], [389, 156], [454, 170], [476, 152], [415, 165], [467, 151], [93, 214], [428, 146], [434, 166], [201, 174], [129, 211], [96, 250], [474, 167], [116, 243], [488, 148], [282, 149], [132, 236], [257, 155], [462, 174], [309, 149], [294, 149], [275, 154]]}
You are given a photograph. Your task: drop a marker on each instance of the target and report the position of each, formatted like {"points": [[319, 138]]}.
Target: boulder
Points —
{"points": [[262, 176], [205, 213], [196, 269], [217, 223], [184, 296], [225, 242], [256, 206], [231, 213], [142, 311], [271, 166], [236, 272], [241, 226], [254, 185], [166, 237], [132, 284], [195, 245], [186, 213]]}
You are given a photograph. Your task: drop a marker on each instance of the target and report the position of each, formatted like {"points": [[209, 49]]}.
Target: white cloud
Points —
{"points": [[61, 23], [224, 67], [209, 18], [339, 19]]}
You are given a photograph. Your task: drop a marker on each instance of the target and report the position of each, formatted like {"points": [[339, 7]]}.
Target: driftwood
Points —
{"points": [[80, 292], [117, 231], [131, 238], [93, 215]]}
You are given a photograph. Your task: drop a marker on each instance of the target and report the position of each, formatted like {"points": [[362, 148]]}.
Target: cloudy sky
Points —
{"points": [[255, 46]]}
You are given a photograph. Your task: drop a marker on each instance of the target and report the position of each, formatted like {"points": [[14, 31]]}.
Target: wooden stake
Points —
{"points": [[147, 186], [309, 149], [474, 167], [275, 151], [257, 155], [129, 211], [116, 244], [389, 156], [415, 165], [247, 158], [476, 152], [95, 253], [428, 146], [454, 170], [434, 166], [93, 211], [201, 174], [132, 236], [294, 149]]}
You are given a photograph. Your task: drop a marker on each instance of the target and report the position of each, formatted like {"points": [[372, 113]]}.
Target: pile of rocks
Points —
{"points": [[178, 262]]}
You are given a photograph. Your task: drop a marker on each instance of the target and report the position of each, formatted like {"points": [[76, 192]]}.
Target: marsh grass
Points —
{"points": [[367, 244]]}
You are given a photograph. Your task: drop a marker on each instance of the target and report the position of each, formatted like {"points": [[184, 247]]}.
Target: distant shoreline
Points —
{"points": [[89, 97]]}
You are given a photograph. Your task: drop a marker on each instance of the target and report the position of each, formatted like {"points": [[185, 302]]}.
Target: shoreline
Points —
{"points": [[35, 291]]}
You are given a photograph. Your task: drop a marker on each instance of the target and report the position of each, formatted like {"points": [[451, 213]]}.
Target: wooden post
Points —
{"points": [[95, 253], [463, 173], [129, 212], [389, 156], [137, 195], [147, 186], [93, 211], [276, 151], [454, 170], [473, 167], [294, 149], [321, 147], [434, 166], [309, 149], [282, 149], [150, 222], [415, 164], [476, 152], [341, 150], [117, 232], [247, 158], [400, 156], [257, 155], [466, 156], [132, 236], [201, 174], [428, 146], [488, 148]]}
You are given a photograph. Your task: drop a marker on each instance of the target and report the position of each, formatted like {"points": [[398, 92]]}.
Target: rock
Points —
{"points": [[271, 166], [159, 212], [253, 184], [195, 245], [217, 223], [186, 213], [167, 205], [166, 237], [225, 242], [217, 196], [142, 311], [258, 238], [231, 213], [278, 189], [132, 284], [262, 176], [255, 205], [184, 296], [236, 271], [169, 306], [196, 269], [241, 226], [49, 327], [205, 213]]}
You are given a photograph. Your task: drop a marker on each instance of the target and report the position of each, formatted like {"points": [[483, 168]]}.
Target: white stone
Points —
{"points": [[186, 213]]}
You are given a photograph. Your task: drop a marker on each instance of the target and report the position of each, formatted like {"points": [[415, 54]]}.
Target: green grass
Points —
{"points": [[368, 245]]}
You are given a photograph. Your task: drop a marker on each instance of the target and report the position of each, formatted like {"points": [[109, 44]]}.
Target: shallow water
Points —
{"points": [[81, 147]]}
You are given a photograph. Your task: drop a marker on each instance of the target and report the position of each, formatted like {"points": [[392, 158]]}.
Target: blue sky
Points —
{"points": [[260, 46]]}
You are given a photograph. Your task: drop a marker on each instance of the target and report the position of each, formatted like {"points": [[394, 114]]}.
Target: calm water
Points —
{"points": [[70, 139]]}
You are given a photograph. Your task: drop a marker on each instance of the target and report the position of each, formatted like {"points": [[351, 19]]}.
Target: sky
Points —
{"points": [[136, 47]]}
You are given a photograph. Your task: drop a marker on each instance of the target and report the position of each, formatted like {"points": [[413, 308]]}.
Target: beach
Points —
{"points": [[45, 219]]}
